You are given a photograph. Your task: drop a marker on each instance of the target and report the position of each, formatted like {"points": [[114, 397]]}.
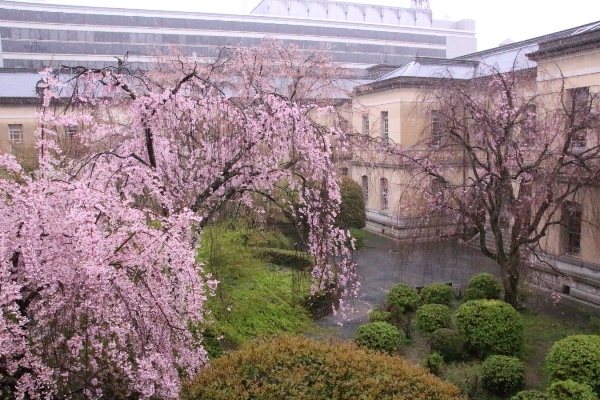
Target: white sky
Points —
{"points": [[495, 21]]}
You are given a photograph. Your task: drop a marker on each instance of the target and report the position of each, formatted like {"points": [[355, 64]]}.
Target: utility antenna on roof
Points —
{"points": [[420, 4]]}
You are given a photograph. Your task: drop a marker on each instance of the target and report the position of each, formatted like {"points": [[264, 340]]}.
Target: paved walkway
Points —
{"points": [[383, 263]]}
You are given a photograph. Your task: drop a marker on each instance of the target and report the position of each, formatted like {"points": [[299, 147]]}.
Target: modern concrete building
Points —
{"points": [[34, 35]]}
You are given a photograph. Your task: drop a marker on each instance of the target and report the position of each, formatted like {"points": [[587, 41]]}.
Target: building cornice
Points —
{"points": [[566, 45]]}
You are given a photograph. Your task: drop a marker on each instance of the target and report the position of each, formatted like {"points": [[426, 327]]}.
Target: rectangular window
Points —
{"points": [[15, 133], [365, 124], [385, 125], [365, 186], [529, 125], [572, 217], [384, 194], [70, 131], [580, 107], [436, 128], [580, 100]]}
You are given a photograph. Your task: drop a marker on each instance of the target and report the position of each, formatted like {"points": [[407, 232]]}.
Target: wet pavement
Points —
{"points": [[383, 263]]}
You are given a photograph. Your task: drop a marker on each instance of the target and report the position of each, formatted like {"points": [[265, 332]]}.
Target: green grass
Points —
{"points": [[254, 298]]}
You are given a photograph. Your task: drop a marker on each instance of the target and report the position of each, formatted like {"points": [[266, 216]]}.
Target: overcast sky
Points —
{"points": [[495, 20]]}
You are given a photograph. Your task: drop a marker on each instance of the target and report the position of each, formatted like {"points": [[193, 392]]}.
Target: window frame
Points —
{"points": [[14, 131], [385, 125]]}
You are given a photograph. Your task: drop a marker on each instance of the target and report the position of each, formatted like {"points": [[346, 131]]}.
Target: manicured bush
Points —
{"points": [[437, 293], [571, 390], [433, 316], [502, 374], [433, 362], [402, 299], [483, 286], [379, 336], [578, 358], [297, 368], [449, 343], [530, 395], [490, 327], [379, 316], [352, 209]]}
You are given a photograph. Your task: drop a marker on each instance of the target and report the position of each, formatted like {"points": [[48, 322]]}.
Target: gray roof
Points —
{"points": [[500, 59], [19, 84]]}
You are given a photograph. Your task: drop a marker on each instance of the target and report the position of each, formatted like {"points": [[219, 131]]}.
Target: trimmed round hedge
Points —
{"points": [[483, 286], [502, 374], [571, 390], [433, 316], [576, 357], [490, 327], [379, 316], [402, 299], [379, 336], [530, 395], [448, 342], [295, 368], [437, 293]]}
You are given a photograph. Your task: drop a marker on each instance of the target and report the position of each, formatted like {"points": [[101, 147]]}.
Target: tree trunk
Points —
{"points": [[510, 280]]}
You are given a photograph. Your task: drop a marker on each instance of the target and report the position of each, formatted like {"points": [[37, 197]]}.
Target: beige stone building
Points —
{"points": [[395, 109]]}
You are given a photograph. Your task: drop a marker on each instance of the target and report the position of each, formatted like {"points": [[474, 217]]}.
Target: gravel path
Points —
{"points": [[383, 262]]}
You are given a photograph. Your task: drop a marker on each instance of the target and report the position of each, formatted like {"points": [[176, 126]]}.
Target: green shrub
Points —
{"points": [[379, 336], [502, 374], [571, 390], [402, 299], [465, 376], [576, 357], [483, 286], [379, 316], [352, 209], [449, 343], [490, 327], [295, 368], [530, 395], [433, 362], [433, 316], [437, 293]]}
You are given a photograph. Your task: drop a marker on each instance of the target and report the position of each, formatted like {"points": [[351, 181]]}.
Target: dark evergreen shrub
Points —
{"points": [[352, 209], [379, 336], [297, 368], [578, 358], [433, 316], [402, 299], [483, 286], [490, 327], [502, 374], [571, 390], [530, 395], [288, 258], [437, 293], [449, 343]]}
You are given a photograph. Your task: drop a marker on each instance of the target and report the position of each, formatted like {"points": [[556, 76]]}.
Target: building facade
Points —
{"points": [[357, 36], [561, 69]]}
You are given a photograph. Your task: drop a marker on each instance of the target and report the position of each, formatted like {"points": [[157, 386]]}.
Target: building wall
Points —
{"points": [[20, 115], [36, 35]]}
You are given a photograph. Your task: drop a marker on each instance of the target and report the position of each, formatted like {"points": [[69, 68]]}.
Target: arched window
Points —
{"points": [[384, 190], [365, 186]]}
